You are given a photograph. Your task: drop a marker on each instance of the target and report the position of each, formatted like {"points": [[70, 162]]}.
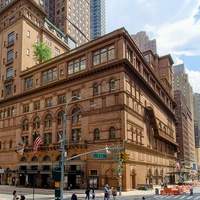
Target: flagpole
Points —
{"points": [[64, 133]]}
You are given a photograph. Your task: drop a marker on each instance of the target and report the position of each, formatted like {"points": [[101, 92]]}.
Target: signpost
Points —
{"points": [[98, 155]]}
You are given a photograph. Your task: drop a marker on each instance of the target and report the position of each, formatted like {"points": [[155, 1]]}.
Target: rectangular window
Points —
{"points": [[48, 41], [28, 34], [10, 38], [9, 73], [10, 55], [61, 99], [57, 51], [27, 52], [8, 89], [48, 102], [37, 40], [76, 134], [29, 82], [11, 19], [36, 105], [26, 108], [47, 138]]}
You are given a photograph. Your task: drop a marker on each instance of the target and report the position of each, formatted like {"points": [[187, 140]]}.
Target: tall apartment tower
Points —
{"points": [[97, 18], [183, 132], [72, 17], [181, 83], [144, 44], [197, 126]]}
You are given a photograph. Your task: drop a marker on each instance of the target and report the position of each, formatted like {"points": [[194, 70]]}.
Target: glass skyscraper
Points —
{"points": [[97, 18]]}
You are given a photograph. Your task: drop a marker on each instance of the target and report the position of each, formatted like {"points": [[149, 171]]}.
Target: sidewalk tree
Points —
{"points": [[41, 52]]}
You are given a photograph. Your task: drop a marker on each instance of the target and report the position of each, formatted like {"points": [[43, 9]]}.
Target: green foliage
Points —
{"points": [[41, 52]]}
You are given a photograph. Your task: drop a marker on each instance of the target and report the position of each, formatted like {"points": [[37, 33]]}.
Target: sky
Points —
{"points": [[175, 24]]}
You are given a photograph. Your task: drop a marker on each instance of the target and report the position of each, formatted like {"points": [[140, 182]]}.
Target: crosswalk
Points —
{"points": [[176, 197]]}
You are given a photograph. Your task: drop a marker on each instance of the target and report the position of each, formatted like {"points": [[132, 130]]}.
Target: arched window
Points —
{"points": [[48, 121], [60, 117], [76, 65], [112, 85], [47, 158], [36, 123], [44, 77], [70, 68], [96, 58], [96, 134], [83, 63], [112, 132], [76, 115], [55, 73], [49, 75], [25, 124], [111, 53], [34, 159], [95, 89], [23, 159], [103, 55]]}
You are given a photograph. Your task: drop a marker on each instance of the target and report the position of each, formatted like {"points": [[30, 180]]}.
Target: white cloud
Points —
{"points": [[194, 77], [174, 24]]}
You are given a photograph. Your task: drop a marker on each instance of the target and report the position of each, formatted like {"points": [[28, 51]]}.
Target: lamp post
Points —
{"points": [[63, 144]]}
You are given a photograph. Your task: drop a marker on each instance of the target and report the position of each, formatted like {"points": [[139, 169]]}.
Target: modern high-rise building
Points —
{"points": [[197, 126], [97, 18], [181, 83], [72, 17], [144, 44]]}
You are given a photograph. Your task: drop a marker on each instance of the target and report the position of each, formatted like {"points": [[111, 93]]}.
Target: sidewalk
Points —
{"points": [[81, 192]]}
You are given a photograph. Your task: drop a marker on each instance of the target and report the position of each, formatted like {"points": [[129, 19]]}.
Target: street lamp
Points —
{"points": [[63, 144]]}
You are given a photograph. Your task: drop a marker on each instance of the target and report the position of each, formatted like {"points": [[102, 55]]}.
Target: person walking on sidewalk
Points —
{"points": [[14, 195], [87, 192], [191, 189], [107, 192]]}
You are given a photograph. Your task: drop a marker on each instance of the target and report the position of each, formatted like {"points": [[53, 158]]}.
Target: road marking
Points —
{"points": [[177, 196], [197, 197], [190, 197]]}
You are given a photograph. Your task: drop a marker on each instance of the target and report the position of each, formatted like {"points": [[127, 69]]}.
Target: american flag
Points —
{"points": [[37, 142]]}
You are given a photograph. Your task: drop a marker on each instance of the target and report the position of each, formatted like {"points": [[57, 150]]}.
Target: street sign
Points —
{"points": [[98, 155]]}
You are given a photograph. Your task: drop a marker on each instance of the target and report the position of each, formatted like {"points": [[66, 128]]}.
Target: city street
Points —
{"points": [[42, 194]]}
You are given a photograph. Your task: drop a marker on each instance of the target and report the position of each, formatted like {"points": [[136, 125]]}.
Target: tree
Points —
{"points": [[41, 52]]}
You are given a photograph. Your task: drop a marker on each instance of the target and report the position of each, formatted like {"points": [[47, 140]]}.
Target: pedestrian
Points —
{"points": [[93, 194], [22, 197], [191, 189], [14, 195], [74, 197], [106, 192], [114, 193], [87, 192]]}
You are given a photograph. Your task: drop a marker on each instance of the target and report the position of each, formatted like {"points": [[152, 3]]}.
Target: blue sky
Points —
{"points": [[175, 24]]}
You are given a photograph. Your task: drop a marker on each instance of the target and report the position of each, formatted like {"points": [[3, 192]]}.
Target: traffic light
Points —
{"points": [[121, 156], [126, 157]]}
